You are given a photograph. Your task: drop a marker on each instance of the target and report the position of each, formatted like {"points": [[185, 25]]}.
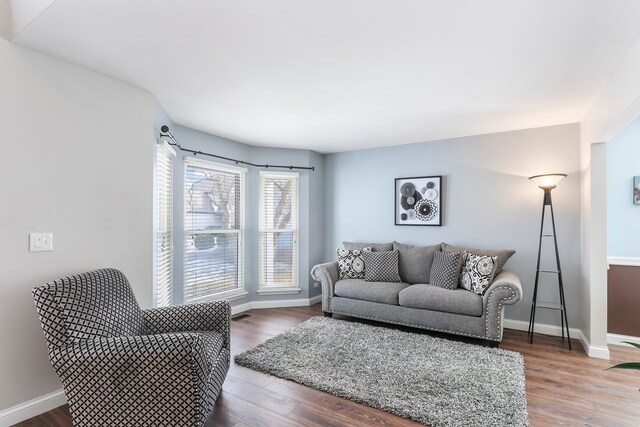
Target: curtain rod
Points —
{"points": [[164, 131]]}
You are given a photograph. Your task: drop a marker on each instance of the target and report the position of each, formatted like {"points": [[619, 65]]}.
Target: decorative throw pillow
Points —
{"points": [[478, 272], [502, 254], [351, 263], [381, 266], [444, 270]]}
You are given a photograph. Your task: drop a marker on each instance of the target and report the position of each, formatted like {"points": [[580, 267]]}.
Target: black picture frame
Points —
{"points": [[424, 206]]}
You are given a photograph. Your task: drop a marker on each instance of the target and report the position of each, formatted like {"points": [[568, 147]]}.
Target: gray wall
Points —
{"points": [[311, 200], [488, 202], [62, 170], [623, 217]]}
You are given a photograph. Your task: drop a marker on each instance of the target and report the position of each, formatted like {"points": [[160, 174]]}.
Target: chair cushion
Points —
{"points": [[383, 292], [458, 301], [415, 262], [98, 303]]}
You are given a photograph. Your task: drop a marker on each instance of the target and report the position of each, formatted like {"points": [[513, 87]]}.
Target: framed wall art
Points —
{"points": [[418, 200], [636, 190]]}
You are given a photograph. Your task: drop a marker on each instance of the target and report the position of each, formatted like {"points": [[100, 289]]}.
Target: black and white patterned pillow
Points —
{"points": [[477, 272], [351, 263], [381, 266], [444, 270]]}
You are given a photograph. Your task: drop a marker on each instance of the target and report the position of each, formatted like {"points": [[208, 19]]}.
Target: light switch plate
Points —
{"points": [[40, 242]]}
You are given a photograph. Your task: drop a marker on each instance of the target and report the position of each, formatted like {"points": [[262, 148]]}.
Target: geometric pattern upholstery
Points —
{"points": [[120, 365], [381, 266], [445, 269]]}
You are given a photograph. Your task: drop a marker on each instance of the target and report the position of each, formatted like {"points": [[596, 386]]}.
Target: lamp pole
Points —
{"points": [[547, 183]]}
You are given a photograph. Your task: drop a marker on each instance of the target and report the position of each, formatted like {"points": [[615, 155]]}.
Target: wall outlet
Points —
{"points": [[40, 242]]}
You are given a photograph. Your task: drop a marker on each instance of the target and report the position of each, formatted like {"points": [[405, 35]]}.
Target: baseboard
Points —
{"points": [[633, 262], [237, 309], [257, 305], [315, 300], [541, 328], [31, 408], [619, 339], [556, 331]]}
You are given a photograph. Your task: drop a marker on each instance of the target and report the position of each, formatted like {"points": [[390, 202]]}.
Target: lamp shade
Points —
{"points": [[548, 181]]}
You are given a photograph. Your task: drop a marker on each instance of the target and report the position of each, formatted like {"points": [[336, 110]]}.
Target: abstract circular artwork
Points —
{"points": [[426, 210], [407, 189], [418, 201]]}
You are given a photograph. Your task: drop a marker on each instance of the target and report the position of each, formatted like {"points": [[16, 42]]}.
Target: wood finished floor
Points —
{"points": [[564, 388]]}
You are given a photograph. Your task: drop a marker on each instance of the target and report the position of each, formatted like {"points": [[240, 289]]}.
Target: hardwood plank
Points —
{"points": [[251, 414], [563, 387]]}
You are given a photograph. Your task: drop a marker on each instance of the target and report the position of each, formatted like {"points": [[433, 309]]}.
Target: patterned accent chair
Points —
{"points": [[121, 365]]}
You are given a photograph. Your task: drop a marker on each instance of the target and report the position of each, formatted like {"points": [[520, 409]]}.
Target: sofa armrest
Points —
{"points": [[505, 289], [206, 316], [327, 274]]}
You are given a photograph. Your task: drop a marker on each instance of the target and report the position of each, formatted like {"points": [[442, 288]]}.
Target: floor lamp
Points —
{"points": [[548, 182]]}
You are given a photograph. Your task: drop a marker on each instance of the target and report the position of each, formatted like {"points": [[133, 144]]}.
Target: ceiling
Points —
{"points": [[337, 75]]}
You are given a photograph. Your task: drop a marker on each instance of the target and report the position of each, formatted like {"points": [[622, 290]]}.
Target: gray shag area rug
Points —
{"points": [[430, 380]]}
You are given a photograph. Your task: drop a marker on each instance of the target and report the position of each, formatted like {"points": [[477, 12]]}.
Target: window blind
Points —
{"points": [[278, 230], [164, 224], [213, 229]]}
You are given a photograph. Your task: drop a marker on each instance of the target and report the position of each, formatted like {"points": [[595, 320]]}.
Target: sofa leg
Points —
{"points": [[327, 314], [493, 344]]}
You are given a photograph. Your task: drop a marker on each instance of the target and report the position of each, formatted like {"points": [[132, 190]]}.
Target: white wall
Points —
{"points": [[623, 163], [488, 202], [617, 106], [77, 160]]}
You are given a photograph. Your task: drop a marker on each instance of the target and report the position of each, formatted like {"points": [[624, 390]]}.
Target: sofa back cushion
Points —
{"points": [[502, 255], [415, 262]]}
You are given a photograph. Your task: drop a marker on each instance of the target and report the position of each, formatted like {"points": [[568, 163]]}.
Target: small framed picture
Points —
{"points": [[636, 190], [418, 201]]}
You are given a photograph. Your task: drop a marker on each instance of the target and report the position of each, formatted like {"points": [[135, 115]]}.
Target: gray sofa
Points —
{"points": [[420, 305]]}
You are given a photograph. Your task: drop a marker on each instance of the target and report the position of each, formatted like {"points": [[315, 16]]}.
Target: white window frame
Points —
{"points": [[162, 279], [294, 286], [239, 291]]}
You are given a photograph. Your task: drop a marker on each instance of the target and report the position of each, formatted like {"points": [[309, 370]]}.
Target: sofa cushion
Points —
{"points": [[458, 301], [444, 270], [502, 254], [383, 292], [415, 262], [381, 266], [376, 247]]}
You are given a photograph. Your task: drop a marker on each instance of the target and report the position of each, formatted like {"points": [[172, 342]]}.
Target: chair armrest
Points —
{"points": [[327, 274], [206, 316], [107, 376]]}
